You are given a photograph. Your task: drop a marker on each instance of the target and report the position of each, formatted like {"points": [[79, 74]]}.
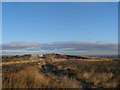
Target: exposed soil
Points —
{"points": [[50, 68]]}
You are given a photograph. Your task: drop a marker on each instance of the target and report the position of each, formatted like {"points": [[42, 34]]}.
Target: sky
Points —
{"points": [[60, 0], [82, 28], [0, 23], [51, 22]]}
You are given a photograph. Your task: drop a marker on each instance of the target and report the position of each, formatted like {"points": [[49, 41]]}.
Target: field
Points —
{"points": [[60, 71]]}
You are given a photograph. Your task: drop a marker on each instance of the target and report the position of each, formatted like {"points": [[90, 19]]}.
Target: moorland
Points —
{"points": [[59, 71]]}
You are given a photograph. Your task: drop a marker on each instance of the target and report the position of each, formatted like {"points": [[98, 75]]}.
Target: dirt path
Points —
{"points": [[42, 61], [50, 68], [19, 62]]}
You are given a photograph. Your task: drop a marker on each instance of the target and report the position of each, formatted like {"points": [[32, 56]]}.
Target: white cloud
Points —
{"points": [[77, 48], [16, 45], [26, 44]]}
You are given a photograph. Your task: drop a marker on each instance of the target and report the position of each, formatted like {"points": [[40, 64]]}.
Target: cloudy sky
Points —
{"points": [[73, 48], [67, 28]]}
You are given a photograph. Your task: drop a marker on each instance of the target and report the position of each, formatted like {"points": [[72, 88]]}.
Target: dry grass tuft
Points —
{"points": [[31, 78], [28, 78], [69, 83]]}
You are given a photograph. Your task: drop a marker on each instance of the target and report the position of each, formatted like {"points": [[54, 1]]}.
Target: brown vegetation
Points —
{"points": [[31, 78], [61, 74], [15, 58], [95, 74]]}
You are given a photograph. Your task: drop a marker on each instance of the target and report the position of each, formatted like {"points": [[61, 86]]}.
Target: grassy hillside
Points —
{"points": [[58, 71]]}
